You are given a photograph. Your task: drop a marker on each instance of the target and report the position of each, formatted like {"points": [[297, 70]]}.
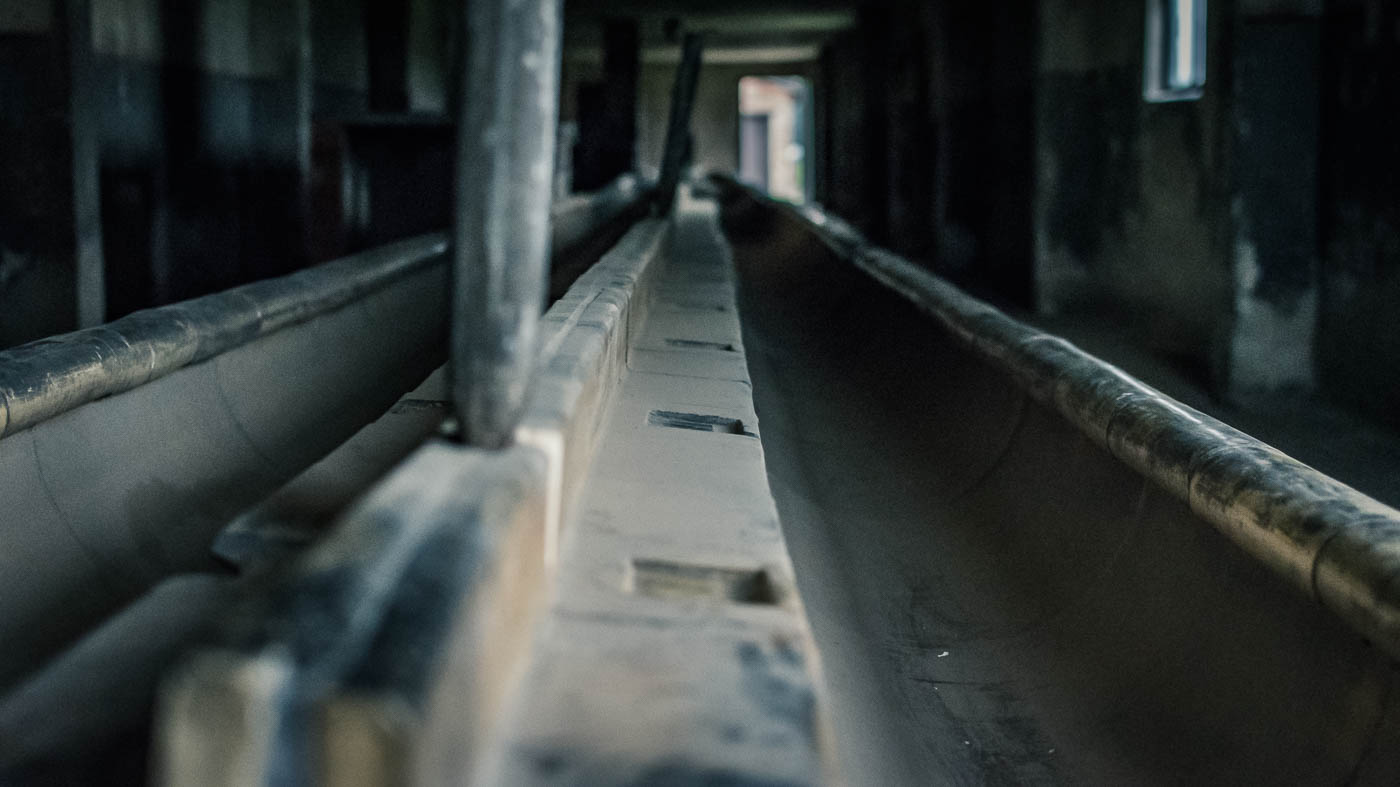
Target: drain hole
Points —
{"points": [[698, 422], [419, 405], [695, 305], [691, 344], [668, 580]]}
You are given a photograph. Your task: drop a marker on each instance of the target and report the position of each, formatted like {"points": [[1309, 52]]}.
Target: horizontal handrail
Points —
{"points": [[1326, 539]]}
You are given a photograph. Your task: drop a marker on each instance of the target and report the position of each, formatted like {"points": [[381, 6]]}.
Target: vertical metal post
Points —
{"points": [[506, 118], [678, 130], [91, 284]]}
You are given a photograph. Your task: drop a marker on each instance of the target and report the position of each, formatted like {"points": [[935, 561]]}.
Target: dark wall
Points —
{"points": [[985, 116], [851, 179], [224, 150], [1132, 212], [1359, 326], [606, 110], [929, 138], [204, 138], [1274, 195], [37, 282], [218, 165]]}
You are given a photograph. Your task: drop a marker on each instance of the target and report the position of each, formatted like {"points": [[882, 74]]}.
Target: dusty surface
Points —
{"points": [[998, 601], [675, 650]]}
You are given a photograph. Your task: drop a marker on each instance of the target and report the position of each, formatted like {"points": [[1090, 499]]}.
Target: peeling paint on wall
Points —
{"points": [[1274, 205], [1128, 206]]}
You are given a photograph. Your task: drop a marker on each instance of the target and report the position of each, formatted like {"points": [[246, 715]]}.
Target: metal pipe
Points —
{"points": [[678, 129], [505, 160], [41, 380]]}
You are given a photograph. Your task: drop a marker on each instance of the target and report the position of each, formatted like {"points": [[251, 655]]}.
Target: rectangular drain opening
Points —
{"points": [[698, 422], [704, 306], [692, 344], [666, 579], [419, 405]]}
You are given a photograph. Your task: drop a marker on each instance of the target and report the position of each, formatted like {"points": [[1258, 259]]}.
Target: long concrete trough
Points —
{"points": [[1023, 566], [783, 509], [161, 456]]}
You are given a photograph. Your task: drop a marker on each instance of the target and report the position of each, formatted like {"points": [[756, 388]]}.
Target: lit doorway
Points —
{"points": [[775, 135]]}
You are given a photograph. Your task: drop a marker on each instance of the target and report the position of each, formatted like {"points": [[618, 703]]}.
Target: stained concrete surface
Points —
{"points": [[675, 650], [995, 599], [1132, 198]]}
